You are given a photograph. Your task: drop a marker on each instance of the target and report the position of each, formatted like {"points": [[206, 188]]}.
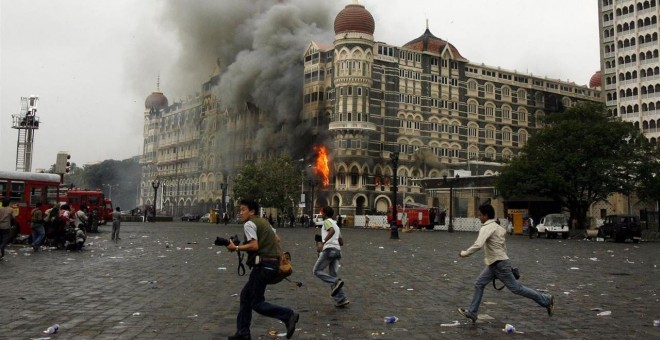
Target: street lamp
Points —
{"points": [[394, 230], [109, 190], [223, 187], [451, 182], [155, 184], [312, 183]]}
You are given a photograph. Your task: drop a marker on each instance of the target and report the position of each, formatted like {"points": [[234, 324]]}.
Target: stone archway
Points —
{"points": [[336, 204], [360, 205]]}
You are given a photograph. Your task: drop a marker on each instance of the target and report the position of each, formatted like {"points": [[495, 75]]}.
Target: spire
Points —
{"points": [[158, 83], [427, 23]]}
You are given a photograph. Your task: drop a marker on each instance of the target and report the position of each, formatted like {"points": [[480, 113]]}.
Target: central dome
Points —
{"points": [[431, 43], [596, 80], [354, 18]]}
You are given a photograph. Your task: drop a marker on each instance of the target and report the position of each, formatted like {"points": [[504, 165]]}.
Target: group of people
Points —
{"points": [[58, 226], [261, 239]]}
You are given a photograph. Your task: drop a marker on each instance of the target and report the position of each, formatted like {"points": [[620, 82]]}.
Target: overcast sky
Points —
{"points": [[93, 63]]}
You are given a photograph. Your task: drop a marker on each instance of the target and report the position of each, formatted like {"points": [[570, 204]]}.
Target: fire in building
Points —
{"points": [[363, 100]]}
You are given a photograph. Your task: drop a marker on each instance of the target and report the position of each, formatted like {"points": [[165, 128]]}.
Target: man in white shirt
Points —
{"points": [[329, 257], [492, 239]]}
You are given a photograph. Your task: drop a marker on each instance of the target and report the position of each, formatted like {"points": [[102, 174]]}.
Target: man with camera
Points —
{"points": [[492, 239], [329, 244], [261, 244]]}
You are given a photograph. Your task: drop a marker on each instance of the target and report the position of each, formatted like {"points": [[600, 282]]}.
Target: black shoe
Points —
{"points": [[551, 306], [291, 324], [337, 287], [240, 337], [467, 314], [342, 303]]}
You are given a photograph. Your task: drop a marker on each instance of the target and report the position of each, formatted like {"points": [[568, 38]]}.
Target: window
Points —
{"points": [[472, 85], [506, 135], [490, 110], [472, 130], [490, 133], [506, 91], [522, 115], [35, 196], [16, 194], [490, 89], [472, 107], [506, 112]]}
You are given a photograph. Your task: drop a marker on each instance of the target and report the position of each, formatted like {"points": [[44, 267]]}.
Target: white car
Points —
{"points": [[553, 225], [318, 220]]}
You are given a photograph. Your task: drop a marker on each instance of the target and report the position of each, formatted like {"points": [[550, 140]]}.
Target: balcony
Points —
{"points": [[353, 126]]}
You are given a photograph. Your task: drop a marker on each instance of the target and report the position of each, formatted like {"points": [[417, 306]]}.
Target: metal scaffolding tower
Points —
{"points": [[25, 122]]}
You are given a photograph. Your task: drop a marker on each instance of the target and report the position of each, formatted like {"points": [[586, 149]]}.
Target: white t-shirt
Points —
{"points": [[333, 242]]}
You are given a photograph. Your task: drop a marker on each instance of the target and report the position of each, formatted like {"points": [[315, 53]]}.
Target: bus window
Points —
{"points": [[35, 196], [3, 188], [16, 194], [51, 195]]}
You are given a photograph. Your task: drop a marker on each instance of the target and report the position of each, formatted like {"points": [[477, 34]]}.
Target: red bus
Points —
{"points": [[24, 190]]}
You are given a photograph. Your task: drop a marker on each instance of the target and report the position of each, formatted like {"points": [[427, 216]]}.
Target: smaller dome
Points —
{"points": [[354, 18], [156, 100], [596, 80]]}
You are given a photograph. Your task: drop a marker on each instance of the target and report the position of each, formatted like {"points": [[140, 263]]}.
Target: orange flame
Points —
{"points": [[322, 168]]}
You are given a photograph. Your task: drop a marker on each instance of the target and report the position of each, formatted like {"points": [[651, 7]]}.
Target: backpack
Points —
{"points": [[285, 270]]}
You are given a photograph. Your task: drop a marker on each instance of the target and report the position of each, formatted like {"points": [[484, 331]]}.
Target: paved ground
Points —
{"points": [[167, 281]]}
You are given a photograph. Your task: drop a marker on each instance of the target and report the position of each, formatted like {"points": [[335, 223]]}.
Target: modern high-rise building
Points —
{"points": [[630, 62]]}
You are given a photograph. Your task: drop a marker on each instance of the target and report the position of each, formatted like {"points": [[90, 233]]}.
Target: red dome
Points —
{"points": [[354, 18], [431, 43], [156, 100], [596, 80]]}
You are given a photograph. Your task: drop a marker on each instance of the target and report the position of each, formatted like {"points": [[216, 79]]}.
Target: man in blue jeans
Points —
{"points": [[261, 239], [329, 256], [492, 239]]}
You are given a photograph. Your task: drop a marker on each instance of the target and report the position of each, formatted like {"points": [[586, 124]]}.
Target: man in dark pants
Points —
{"points": [[492, 239], [261, 239]]}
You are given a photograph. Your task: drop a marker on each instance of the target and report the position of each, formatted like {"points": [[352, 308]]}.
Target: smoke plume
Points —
{"points": [[260, 46]]}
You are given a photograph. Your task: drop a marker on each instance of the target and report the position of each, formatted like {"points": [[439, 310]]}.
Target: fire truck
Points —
{"points": [[412, 217], [94, 200]]}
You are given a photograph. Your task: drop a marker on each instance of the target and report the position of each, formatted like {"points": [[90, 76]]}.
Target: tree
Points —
{"points": [[579, 158], [274, 183], [649, 175]]}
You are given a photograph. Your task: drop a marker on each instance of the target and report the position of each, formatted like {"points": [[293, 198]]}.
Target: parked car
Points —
{"points": [[318, 220], [189, 217], [553, 225], [205, 218], [620, 228]]}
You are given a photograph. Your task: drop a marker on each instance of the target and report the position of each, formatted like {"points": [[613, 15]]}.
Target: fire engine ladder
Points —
{"points": [[25, 123]]}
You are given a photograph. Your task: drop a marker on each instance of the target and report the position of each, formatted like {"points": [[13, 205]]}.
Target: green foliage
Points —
{"points": [[274, 183], [648, 188], [579, 158]]}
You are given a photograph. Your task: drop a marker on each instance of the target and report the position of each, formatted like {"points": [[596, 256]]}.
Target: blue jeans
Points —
{"points": [[502, 271], [329, 258], [252, 298], [38, 234]]}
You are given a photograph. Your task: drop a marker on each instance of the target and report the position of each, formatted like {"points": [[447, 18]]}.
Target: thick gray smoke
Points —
{"points": [[260, 44]]}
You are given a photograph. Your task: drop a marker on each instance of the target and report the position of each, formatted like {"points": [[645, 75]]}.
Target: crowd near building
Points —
{"points": [[442, 114]]}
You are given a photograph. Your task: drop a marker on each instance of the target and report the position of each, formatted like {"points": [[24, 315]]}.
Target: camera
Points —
{"points": [[221, 241]]}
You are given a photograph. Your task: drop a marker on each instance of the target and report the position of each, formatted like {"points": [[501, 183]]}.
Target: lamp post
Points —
{"points": [[312, 184], [223, 187], [394, 230], [451, 182], [155, 184]]}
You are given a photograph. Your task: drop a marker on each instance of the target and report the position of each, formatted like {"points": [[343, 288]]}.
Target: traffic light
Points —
{"points": [[62, 163]]}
